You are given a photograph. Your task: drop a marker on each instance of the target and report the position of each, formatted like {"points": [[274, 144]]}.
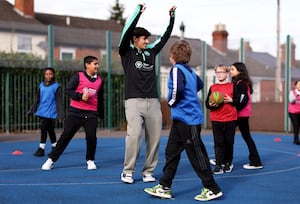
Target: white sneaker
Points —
{"points": [[249, 166], [228, 168], [91, 165], [212, 162], [127, 178], [207, 195], [48, 165], [159, 191], [148, 178]]}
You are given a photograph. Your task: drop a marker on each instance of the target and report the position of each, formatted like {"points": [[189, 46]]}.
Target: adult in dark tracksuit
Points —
{"points": [[86, 92], [187, 117], [142, 105]]}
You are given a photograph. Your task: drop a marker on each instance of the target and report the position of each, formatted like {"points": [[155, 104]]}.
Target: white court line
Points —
{"points": [[175, 180], [224, 176]]}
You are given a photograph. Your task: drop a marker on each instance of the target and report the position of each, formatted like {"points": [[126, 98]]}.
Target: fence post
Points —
{"points": [[204, 66], [50, 46], [7, 101], [108, 66], [287, 81], [242, 51]]}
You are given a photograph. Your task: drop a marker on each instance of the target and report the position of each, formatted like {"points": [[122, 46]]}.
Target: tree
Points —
{"points": [[117, 13]]}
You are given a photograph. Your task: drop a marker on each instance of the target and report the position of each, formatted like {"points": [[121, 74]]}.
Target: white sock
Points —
{"points": [[54, 144], [42, 145]]}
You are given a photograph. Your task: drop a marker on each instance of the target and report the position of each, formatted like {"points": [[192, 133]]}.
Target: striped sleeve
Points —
{"points": [[177, 89]]}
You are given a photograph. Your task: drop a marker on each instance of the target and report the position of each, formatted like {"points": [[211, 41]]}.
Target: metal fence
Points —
{"points": [[18, 87]]}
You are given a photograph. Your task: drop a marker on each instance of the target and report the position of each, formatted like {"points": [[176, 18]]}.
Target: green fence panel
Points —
{"points": [[18, 91]]}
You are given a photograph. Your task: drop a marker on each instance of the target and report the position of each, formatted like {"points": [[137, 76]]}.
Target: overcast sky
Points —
{"points": [[253, 20]]}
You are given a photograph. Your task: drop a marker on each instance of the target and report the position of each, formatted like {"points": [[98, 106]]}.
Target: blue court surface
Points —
{"points": [[23, 181]]}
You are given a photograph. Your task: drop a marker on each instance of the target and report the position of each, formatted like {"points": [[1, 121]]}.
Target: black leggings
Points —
{"points": [[47, 127], [73, 124], [295, 119], [243, 124], [223, 141]]}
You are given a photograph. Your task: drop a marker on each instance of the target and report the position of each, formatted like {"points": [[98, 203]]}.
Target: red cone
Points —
{"points": [[277, 139], [17, 152]]}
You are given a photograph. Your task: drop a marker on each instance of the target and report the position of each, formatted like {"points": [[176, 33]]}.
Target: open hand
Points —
{"points": [[143, 7], [172, 11]]}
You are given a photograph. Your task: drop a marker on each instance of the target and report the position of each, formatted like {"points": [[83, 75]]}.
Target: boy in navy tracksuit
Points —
{"points": [[187, 117]]}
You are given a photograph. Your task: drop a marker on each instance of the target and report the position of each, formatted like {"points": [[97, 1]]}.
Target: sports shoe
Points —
{"points": [[159, 191], [48, 165], [228, 168], [127, 178], [148, 178], [218, 170], [39, 152], [212, 162], [91, 165], [207, 194], [250, 166], [297, 142]]}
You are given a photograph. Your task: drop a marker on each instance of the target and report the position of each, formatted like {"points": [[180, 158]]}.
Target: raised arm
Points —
{"points": [[159, 43], [129, 28]]}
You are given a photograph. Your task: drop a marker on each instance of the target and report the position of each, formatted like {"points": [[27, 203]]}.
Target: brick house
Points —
{"points": [[23, 30]]}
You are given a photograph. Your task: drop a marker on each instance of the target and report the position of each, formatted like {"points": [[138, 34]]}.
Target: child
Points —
{"points": [[49, 102], [294, 110], [85, 90], [223, 118], [243, 83], [187, 117]]}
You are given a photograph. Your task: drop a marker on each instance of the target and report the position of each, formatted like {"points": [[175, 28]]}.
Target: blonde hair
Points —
{"points": [[222, 67]]}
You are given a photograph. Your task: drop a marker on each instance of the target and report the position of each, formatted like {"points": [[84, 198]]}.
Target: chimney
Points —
{"points": [[25, 7], [247, 46], [292, 53], [220, 38]]}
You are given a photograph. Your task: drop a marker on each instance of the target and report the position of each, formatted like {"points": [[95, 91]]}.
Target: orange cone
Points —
{"points": [[277, 139], [17, 152]]}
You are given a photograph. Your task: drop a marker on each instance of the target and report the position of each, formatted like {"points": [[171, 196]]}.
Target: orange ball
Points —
{"points": [[216, 97]]}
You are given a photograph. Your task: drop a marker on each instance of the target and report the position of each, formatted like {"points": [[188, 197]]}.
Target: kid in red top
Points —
{"points": [[223, 118]]}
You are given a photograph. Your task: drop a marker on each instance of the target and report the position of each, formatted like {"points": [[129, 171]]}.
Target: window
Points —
{"points": [[24, 43], [67, 54]]}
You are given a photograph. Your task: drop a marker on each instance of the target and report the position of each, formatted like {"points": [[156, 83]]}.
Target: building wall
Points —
{"points": [[6, 41], [267, 91], [81, 53], [9, 43], [263, 118]]}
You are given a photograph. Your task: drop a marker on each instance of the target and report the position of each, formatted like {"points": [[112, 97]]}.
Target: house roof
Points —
{"points": [[214, 57], [78, 22], [21, 27], [9, 14], [91, 33], [259, 64], [65, 36]]}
